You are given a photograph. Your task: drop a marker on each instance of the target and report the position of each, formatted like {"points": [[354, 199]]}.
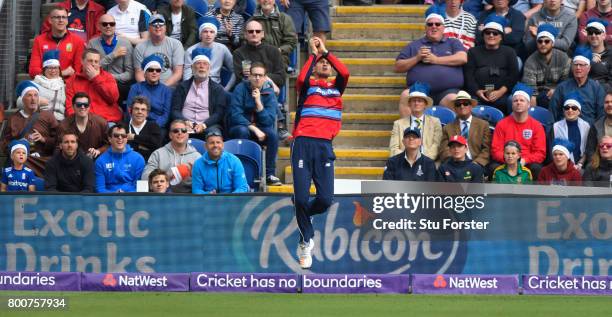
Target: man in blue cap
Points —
{"points": [[411, 165], [158, 94], [170, 50], [221, 57], [591, 91], [199, 101], [546, 67]]}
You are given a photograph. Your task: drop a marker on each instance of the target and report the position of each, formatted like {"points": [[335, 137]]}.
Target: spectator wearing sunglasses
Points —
{"points": [[168, 49], [99, 85], [118, 169], [513, 32], [601, 62], [492, 69], [177, 155], [254, 50], [434, 59], [476, 131], [590, 90], [546, 67], [159, 95], [554, 13], [573, 128], [599, 171], [89, 128], [603, 10], [116, 55]]}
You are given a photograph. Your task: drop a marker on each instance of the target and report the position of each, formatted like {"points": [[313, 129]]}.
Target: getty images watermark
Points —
{"points": [[417, 210]]}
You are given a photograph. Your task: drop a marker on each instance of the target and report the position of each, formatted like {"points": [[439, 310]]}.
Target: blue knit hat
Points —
{"points": [[573, 98], [19, 144], [598, 24], [201, 54], [522, 89], [51, 58], [547, 30], [435, 11], [152, 61], [420, 90], [25, 86], [495, 22], [583, 53], [563, 145], [208, 22]]}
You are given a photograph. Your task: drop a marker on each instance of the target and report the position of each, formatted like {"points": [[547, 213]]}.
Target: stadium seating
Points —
{"points": [[198, 145], [543, 116], [445, 115], [252, 157], [488, 113], [40, 184]]}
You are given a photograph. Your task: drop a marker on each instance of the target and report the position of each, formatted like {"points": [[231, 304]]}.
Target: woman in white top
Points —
{"points": [[51, 87]]}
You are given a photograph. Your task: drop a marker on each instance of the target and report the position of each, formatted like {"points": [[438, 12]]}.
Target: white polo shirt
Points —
{"points": [[128, 20]]}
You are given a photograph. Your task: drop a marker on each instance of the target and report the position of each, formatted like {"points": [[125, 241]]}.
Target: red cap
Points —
{"points": [[457, 139]]}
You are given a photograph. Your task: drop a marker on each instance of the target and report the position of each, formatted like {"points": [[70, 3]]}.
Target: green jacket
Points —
{"points": [[189, 26], [278, 29], [500, 175]]}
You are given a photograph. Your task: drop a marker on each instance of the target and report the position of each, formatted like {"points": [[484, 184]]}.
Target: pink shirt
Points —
{"points": [[196, 103]]}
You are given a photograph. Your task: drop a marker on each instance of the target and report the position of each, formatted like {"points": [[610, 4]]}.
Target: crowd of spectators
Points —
{"points": [[112, 82]]}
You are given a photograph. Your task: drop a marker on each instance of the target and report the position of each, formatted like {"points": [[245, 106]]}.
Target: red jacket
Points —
{"points": [[71, 48], [529, 134], [94, 12], [550, 175], [319, 112], [103, 94]]}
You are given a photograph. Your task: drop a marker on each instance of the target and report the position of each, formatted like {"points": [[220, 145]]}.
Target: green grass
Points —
{"points": [[269, 305]]}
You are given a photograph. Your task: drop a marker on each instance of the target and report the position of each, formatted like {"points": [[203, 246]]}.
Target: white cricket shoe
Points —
{"points": [[305, 254]]}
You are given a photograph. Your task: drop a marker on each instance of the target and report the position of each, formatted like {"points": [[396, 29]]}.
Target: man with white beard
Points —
{"points": [[199, 101]]}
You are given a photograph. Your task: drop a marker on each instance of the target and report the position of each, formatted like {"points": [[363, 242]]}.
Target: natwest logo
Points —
{"points": [[440, 282], [109, 280], [472, 282], [143, 280]]}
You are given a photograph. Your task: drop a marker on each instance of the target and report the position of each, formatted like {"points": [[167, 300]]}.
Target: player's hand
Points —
{"points": [[313, 46]]}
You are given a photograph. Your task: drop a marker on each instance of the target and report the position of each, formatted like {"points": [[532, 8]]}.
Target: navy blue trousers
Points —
{"points": [[311, 159]]}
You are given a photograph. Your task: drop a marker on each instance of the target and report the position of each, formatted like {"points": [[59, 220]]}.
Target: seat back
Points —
{"points": [[445, 115], [251, 156], [488, 113], [198, 6], [544, 116], [198, 145]]}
